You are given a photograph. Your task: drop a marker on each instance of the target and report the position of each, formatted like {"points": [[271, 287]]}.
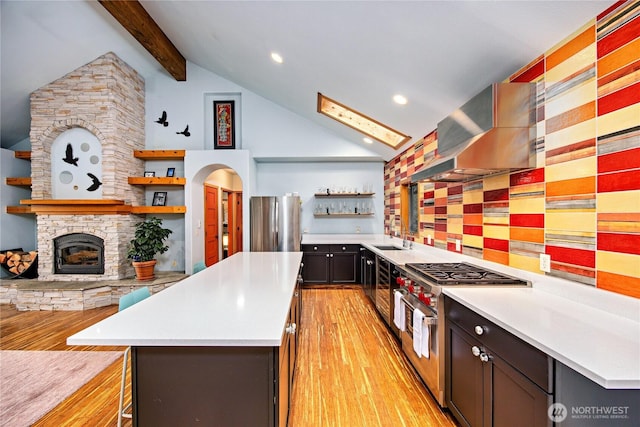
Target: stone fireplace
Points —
{"points": [[84, 129]]}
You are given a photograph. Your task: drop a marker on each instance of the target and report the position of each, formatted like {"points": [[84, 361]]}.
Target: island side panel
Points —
{"points": [[184, 386]]}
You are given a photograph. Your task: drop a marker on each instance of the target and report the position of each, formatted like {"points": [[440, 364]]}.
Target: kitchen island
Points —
{"points": [[217, 348]]}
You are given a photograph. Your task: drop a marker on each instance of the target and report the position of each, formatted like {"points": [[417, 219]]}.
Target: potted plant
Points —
{"points": [[148, 241]]}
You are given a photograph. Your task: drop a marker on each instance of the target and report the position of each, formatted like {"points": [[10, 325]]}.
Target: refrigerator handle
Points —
{"points": [[277, 227]]}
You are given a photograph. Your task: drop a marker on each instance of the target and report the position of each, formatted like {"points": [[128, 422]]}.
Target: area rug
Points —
{"points": [[34, 382]]}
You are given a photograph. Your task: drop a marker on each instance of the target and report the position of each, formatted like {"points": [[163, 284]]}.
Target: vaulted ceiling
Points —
{"points": [[436, 53]]}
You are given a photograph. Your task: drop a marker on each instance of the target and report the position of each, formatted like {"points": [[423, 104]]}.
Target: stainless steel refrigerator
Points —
{"points": [[275, 223]]}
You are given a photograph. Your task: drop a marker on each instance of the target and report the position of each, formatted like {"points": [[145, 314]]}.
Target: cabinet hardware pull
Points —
{"points": [[479, 330], [475, 350]]}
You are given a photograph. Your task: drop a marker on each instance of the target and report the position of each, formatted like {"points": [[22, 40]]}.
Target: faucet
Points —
{"points": [[403, 231]]}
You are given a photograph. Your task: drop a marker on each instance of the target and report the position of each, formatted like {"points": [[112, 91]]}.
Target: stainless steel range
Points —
{"points": [[421, 287]]}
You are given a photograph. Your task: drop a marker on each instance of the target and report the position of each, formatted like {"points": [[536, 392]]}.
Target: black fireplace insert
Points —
{"points": [[78, 253]]}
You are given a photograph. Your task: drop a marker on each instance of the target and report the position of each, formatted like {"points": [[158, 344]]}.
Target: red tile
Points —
{"points": [[496, 244], [472, 208], [531, 74], [610, 9], [583, 257], [619, 242], [623, 98], [620, 181], [454, 190], [428, 195], [527, 177], [622, 160], [527, 220], [472, 230], [495, 195]]}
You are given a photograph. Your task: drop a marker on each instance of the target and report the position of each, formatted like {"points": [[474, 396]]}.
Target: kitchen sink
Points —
{"points": [[388, 248]]}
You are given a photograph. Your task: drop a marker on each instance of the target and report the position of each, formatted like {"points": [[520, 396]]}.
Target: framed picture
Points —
{"points": [[224, 133], [159, 198], [149, 173], [171, 171]]}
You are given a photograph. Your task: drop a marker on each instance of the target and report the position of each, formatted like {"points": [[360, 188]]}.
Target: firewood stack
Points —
{"points": [[17, 262]]}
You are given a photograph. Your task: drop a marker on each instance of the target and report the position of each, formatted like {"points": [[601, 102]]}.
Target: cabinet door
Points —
{"points": [[316, 264], [516, 399], [344, 268], [465, 378]]}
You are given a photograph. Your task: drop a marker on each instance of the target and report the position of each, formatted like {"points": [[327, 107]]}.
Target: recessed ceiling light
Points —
{"points": [[399, 99], [367, 140], [276, 57]]}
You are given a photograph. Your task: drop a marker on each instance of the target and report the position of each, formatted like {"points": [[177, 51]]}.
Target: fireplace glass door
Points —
{"points": [[79, 253]]}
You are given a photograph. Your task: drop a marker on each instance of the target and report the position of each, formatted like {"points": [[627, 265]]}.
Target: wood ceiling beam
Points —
{"points": [[135, 19]]}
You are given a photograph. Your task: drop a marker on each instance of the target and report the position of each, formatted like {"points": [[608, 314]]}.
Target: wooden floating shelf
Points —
{"points": [[76, 206], [20, 182], [341, 215], [140, 180], [19, 210], [158, 209], [159, 154], [24, 155], [320, 195]]}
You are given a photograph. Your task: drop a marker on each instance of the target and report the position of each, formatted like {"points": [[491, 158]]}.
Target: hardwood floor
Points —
{"points": [[350, 371]]}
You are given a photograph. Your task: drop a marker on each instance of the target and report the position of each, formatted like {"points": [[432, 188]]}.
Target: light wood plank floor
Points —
{"points": [[350, 371]]}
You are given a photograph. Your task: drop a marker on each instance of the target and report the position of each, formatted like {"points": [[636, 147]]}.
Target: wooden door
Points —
{"points": [[235, 222], [211, 228]]}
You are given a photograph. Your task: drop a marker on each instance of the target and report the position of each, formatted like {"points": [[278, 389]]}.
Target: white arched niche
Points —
{"points": [[198, 167]]}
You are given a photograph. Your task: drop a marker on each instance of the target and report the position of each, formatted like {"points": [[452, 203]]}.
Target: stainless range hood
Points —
{"points": [[492, 133]]}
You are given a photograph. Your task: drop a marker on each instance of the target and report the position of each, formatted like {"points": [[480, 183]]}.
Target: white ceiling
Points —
{"points": [[360, 53]]}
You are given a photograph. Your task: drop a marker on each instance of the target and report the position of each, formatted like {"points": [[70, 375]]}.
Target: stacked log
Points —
{"points": [[17, 262]]}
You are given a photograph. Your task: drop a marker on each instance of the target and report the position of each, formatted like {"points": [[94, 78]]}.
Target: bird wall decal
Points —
{"points": [[68, 157], [185, 132], [163, 119], [96, 182]]}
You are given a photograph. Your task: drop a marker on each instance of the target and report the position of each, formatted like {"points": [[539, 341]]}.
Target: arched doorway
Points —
{"points": [[223, 215]]}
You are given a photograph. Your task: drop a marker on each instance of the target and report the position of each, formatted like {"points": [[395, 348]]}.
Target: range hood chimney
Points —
{"points": [[494, 132]]}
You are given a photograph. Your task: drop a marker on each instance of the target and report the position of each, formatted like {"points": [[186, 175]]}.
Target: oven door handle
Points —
{"points": [[429, 318]]}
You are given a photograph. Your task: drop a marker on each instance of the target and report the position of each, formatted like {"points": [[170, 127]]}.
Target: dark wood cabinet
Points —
{"points": [[330, 263], [494, 378]]}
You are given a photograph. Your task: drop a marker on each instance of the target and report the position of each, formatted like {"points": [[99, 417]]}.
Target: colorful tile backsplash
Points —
{"points": [[581, 205]]}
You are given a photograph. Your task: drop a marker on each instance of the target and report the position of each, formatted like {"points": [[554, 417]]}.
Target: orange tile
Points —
{"points": [[472, 219], [534, 235], [619, 58], [618, 283], [586, 185], [573, 46], [496, 256]]}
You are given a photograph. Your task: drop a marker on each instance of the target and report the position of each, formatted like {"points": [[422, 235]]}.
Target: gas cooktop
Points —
{"points": [[461, 273]]}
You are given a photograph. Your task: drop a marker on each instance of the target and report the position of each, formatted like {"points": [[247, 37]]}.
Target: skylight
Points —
{"points": [[360, 122]]}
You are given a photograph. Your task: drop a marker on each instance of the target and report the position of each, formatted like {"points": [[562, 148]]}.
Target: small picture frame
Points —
{"points": [[159, 198], [171, 171], [149, 174]]}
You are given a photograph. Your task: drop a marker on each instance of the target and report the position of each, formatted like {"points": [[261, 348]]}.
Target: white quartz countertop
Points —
{"points": [[241, 301], [594, 332]]}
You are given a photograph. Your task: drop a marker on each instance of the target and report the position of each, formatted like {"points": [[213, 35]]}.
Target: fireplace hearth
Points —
{"points": [[78, 253]]}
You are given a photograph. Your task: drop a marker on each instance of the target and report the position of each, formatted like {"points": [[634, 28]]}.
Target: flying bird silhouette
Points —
{"points": [[96, 182], [185, 132], [163, 119], [68, 157]]}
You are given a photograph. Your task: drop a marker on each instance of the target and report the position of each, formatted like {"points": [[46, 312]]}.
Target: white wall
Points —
{"points": [[17, 231], [277, 179]]}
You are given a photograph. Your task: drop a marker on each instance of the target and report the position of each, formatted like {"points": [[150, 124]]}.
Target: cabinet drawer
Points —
{"points": [[533, 363], [316, 248], [345, 248]]}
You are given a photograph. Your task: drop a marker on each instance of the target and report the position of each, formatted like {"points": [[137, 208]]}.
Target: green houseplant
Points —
{"points": [[148, 241]]}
